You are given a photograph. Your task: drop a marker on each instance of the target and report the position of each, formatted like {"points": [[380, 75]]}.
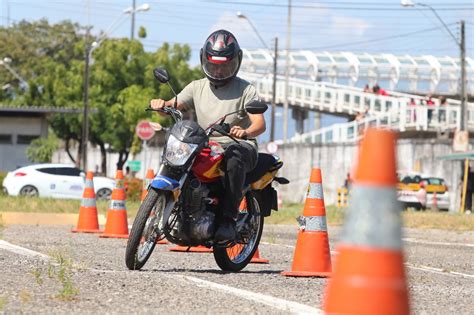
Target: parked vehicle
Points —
{"points": [[437, 194], [411, 193], [420, 192], [183, 200], [55, 181]]}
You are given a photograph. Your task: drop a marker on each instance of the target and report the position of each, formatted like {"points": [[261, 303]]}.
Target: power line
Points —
{"points": [[333, 8], [374, 39]]}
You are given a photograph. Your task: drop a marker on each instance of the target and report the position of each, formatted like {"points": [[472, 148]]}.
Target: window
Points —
{"points": [[47, 170], [6, 139], [68, 171], [340, 59], [25, 139], [324, 59], [435, 181], [299, 58]]}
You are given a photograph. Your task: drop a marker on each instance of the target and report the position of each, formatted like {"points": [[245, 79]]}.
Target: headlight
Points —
{"points": [[177, 152]]}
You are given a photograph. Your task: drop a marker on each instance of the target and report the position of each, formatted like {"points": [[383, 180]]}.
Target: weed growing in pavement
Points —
{"points": [[3, 301], [37, 274], [68, 290]]}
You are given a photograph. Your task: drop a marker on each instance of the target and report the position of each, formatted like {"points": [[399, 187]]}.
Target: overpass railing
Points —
{"points": [[411, 118], [335, 98]]}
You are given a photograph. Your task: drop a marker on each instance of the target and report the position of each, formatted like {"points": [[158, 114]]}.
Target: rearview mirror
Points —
{"points": [[161, 75], [256, 107]]}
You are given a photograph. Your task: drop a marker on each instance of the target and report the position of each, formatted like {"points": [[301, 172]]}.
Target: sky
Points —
{"points": [[337, 25], [373, 26]]}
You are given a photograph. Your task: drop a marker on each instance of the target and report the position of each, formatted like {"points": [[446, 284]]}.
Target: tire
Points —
{"points": [[242, 253], [134, 258], [103, 194], [29, 191]]}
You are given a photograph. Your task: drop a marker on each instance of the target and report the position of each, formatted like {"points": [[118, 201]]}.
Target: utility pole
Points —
{"points": [[462, 46], [275, 60], [132, 34], [287, 75], [85, 120]]}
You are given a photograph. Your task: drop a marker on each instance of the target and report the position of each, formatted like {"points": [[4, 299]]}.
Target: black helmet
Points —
{"points": [[221, 57]]}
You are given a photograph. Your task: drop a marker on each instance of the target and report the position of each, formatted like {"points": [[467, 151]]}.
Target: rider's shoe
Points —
{"points": [[226, 230]]}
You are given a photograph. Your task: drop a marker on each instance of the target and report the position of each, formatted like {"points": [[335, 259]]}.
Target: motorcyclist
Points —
{"points": [[219, 93]]}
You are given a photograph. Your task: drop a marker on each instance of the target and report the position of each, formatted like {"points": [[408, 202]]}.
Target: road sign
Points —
{"points": [[135, 166], [144, 130], [272, 147], [461, 141]]}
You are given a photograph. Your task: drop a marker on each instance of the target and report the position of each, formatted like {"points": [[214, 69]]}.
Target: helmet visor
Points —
{"points": [[219, 68]]}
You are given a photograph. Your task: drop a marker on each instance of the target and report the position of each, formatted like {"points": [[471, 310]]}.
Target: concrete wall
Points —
{"points": [[336, 160], [13, 155]]}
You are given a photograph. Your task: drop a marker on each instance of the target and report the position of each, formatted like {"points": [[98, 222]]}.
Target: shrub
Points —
{"points": [[134, 188]]}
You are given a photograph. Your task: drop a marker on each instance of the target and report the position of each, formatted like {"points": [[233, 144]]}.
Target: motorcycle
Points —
{"points": [[182, 203]]}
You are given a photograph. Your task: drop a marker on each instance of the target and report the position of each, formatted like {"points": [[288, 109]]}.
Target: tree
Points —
{"points": [[51, 59], [41, 150]]}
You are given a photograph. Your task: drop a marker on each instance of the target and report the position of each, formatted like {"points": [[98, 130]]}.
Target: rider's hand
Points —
{"points": [[157, 103], [238, 132]]}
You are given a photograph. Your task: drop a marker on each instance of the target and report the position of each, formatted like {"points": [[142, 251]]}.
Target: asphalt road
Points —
{"points": [[440, 267]]}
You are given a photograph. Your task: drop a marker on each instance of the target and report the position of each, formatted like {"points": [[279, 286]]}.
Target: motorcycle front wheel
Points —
{"points": [[237, 257], [146, 229]]}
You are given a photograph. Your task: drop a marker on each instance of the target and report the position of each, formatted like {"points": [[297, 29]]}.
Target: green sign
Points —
{"points": [[135, 166]]}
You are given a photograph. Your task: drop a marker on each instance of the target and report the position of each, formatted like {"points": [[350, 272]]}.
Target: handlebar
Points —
{"points": [[168, 110]]}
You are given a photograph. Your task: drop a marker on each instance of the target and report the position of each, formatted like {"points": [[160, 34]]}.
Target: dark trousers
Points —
{"points": [[239, 159]]}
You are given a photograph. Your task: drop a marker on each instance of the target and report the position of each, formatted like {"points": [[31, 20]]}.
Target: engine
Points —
{"points": [[198, 223]]}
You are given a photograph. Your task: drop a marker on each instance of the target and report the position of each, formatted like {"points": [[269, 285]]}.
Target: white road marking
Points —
{"points": [[281, 304], [439, 271], [421, 268], [414, 240], [21, 250]]}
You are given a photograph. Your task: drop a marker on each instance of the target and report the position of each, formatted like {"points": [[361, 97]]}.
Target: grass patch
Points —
{"points": [[438, 220], [49, 205], [3, 302], [286, 215]]}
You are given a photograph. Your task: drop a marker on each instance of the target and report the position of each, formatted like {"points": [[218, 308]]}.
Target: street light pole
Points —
{"points": [[287, 75], [462, 47], [272, 122], [132, 34], [85, 119], [88, 54], [275, 60], [463, 96]]}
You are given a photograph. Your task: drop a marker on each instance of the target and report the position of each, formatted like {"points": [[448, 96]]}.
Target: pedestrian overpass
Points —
{"points": [[393, 111]]}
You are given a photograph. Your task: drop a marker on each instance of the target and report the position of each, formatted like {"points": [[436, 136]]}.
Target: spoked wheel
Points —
{"points": [[146, 229], [249, 226]]}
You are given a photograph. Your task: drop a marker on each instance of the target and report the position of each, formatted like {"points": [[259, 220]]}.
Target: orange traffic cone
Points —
{"points": [[116, 225], [312, 257], [146, 182], [369, 275], [191, 249], [256, 259], [88, 221]]}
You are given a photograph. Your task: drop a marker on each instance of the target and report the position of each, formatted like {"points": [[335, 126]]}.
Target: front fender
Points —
{"points": [[164, 183]]}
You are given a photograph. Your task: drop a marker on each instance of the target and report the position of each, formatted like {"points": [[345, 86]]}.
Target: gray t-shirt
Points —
{"points": [[211, 103]]}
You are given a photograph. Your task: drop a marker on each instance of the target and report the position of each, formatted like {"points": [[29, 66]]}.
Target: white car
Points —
{"points": [[55, 181]]}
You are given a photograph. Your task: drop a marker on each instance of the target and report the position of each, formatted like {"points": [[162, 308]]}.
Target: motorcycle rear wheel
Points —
{"points": [[143, 236], [237, 257]]}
